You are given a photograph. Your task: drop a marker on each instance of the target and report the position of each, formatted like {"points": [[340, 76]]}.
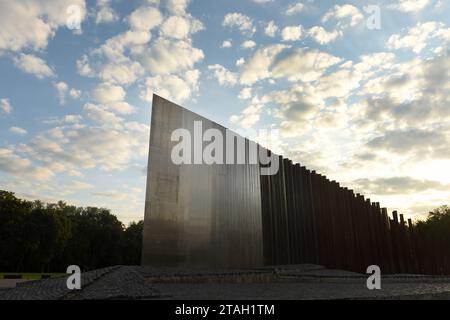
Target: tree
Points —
{"points": [[39, 237], [132, 242]]}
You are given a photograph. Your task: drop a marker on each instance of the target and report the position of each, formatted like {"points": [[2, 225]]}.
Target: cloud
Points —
{"points": [[103, 117], [271, 29], [227, 44], [5, 106], [74, 93], [105, 13], [176, 27], [177, 7], [249, 117], [145, 18], [33, 65], [398, 185], [295, 8], [111, 98], [414, 94], [346, 15], [249, 44], [257, 67], [223, 75], [417, 37], [240, 21], [322, 36], [18, 131], [39, 21], [15, 165], [402, 141], [62, 89], [409, 5], [75, 147], [166, 57], [303, 64], [177, 88], [79, 185], [245, 94], [292, 33], [106, 93]]}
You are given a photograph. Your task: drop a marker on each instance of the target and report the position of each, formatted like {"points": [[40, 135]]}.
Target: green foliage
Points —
{"points": [[37, 237], [437, 225]]}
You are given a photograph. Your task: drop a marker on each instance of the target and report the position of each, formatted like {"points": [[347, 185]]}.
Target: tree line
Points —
{"points": [[39, 237]]}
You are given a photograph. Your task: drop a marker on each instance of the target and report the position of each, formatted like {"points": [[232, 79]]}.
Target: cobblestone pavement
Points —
{"points": [[279, 282]]}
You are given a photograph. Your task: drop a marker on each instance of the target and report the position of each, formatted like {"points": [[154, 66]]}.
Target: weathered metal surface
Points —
{"points": [[197, 214]]}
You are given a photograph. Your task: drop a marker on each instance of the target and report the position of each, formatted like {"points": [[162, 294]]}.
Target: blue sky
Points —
{"points": [[360, 94]]}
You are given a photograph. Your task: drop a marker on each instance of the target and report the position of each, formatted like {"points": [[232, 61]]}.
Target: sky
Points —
{"points": [[358, 90]]}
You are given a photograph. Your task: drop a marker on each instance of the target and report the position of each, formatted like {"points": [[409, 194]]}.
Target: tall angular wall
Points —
{"points": [[198, 215], [231, 216]]}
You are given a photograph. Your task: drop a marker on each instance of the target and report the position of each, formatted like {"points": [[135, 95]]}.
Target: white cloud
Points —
{"points": [[346, 15], [181, 27], [72, 118], [176, 27], [240, 62], [121, 107], [5, 106], [178, 88], [249, 117], [322, 36], [33, 65], [105, 146], [62, 89], [240, 21], [166, 57], [417, 37], [292, 33], [17, 130], [105, 13], [16, 165], [145, 18], [303, 64], [102, 116], [409, 5], [257, 67], [79, 185], [106, 93], [295, 8], [74, 93], [177, 7], [245, 94], [223, 75], [124, 72], [29, 24], [271, 29], [227, 44], [249, 44], [83, 67]]}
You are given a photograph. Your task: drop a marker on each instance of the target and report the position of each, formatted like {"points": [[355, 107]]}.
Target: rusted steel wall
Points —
{"points": [[310, 219]]}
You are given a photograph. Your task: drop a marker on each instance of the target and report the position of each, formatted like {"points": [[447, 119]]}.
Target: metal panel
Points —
{"points": [[198, 215]]}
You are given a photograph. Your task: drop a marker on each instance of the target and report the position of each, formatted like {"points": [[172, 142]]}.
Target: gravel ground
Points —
{"points": [[278, 282]]}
